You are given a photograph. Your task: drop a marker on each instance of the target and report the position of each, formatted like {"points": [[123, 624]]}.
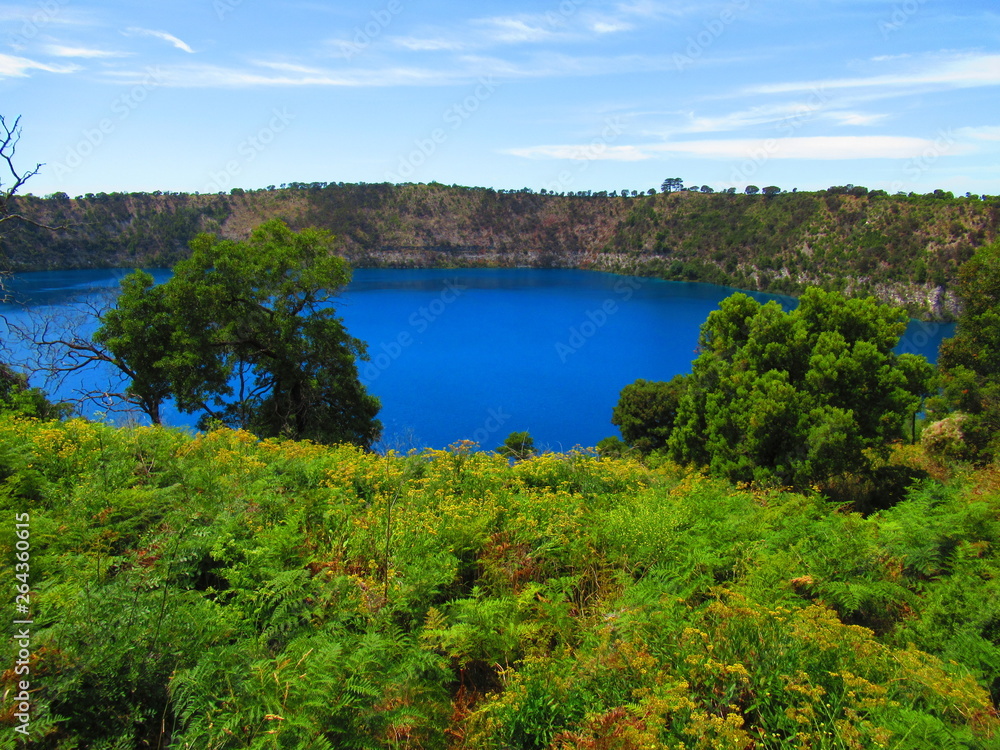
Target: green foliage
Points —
{"points": [[970, 361], [646, 412], [797, 398], [220, 591], [16, 395], [518, 445], [244, 332]]}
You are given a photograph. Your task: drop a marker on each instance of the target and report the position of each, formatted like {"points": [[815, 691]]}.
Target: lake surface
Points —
{"points": [[476, 354]]}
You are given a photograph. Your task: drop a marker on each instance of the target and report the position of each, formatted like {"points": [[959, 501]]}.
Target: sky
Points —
{"points": [[562, 95]]}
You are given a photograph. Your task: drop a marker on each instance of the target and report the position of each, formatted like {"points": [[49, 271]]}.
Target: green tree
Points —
{"points": [[800, 397], [245, 333], [970, 361], [646, 411], [752, 190], [16, 395], [518, 445], [672, 184]]}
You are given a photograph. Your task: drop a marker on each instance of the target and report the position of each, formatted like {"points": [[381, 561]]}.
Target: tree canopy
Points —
{"points": [[519, 446], [245, 333], [970, 361], [646, 412], [795, 398], [672, 185]]}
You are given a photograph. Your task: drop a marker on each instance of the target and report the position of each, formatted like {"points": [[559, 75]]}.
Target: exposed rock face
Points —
{"points": [[903, 250]]}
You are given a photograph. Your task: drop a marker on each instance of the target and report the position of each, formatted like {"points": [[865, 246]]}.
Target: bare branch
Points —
{"points": [[10, 135], [54, 348]]}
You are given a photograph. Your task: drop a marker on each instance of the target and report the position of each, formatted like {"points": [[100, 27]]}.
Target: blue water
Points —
{"points": [[479, 353]]}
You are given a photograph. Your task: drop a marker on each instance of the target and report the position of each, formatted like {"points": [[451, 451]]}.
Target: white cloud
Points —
{"points": [[286, 76], [511, 30], [983, 133], [553, 26], [855, 118], [178, 43], [60, 50], [610, 26], [416, 44], [960, 72], [826, 148], [758, 115], [595, 152], [656, 9], [291, 68], [18, 67], [807, 147], [886, 58]]}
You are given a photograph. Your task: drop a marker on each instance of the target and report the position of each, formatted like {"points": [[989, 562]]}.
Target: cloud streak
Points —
{"points": [[581, 153], [824, 148], [178, 43], [60, 50], [961, 72], [12, 66]]}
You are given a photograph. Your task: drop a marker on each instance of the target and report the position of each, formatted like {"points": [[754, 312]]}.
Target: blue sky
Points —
{"points": [[567, 95]]}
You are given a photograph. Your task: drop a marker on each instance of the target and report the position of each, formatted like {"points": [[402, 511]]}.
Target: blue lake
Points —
{"points": [[479, 353]]}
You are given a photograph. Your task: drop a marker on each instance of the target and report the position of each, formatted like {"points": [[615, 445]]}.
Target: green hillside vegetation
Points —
{"points": [[902, 249], [697, 585], [223, 591], [219, 591]]}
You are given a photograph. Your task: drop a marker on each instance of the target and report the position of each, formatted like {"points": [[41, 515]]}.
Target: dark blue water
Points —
{"points": [[479, 353]]}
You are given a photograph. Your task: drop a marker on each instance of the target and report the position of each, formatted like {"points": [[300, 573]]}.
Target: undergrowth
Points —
{"points": [[222, 592]]}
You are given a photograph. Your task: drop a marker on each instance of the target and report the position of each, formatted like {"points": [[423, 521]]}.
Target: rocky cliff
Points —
{"points": [[902, 249]]}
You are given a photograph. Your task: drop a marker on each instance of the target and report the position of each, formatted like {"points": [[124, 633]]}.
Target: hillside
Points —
{"points": [[216, 591], [904, 250]]}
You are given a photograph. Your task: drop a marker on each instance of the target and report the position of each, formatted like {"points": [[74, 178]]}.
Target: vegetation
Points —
{"points": [[647, 411], [794, 399], [970, 364], [247, 588], [244, 332], [17, 396], [518, 445], [797, 398], [223, 591], [220, 591], [903, 249], [228, 591]]}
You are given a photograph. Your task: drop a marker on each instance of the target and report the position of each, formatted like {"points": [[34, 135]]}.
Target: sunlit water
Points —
{"points": [[475, 354]]}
